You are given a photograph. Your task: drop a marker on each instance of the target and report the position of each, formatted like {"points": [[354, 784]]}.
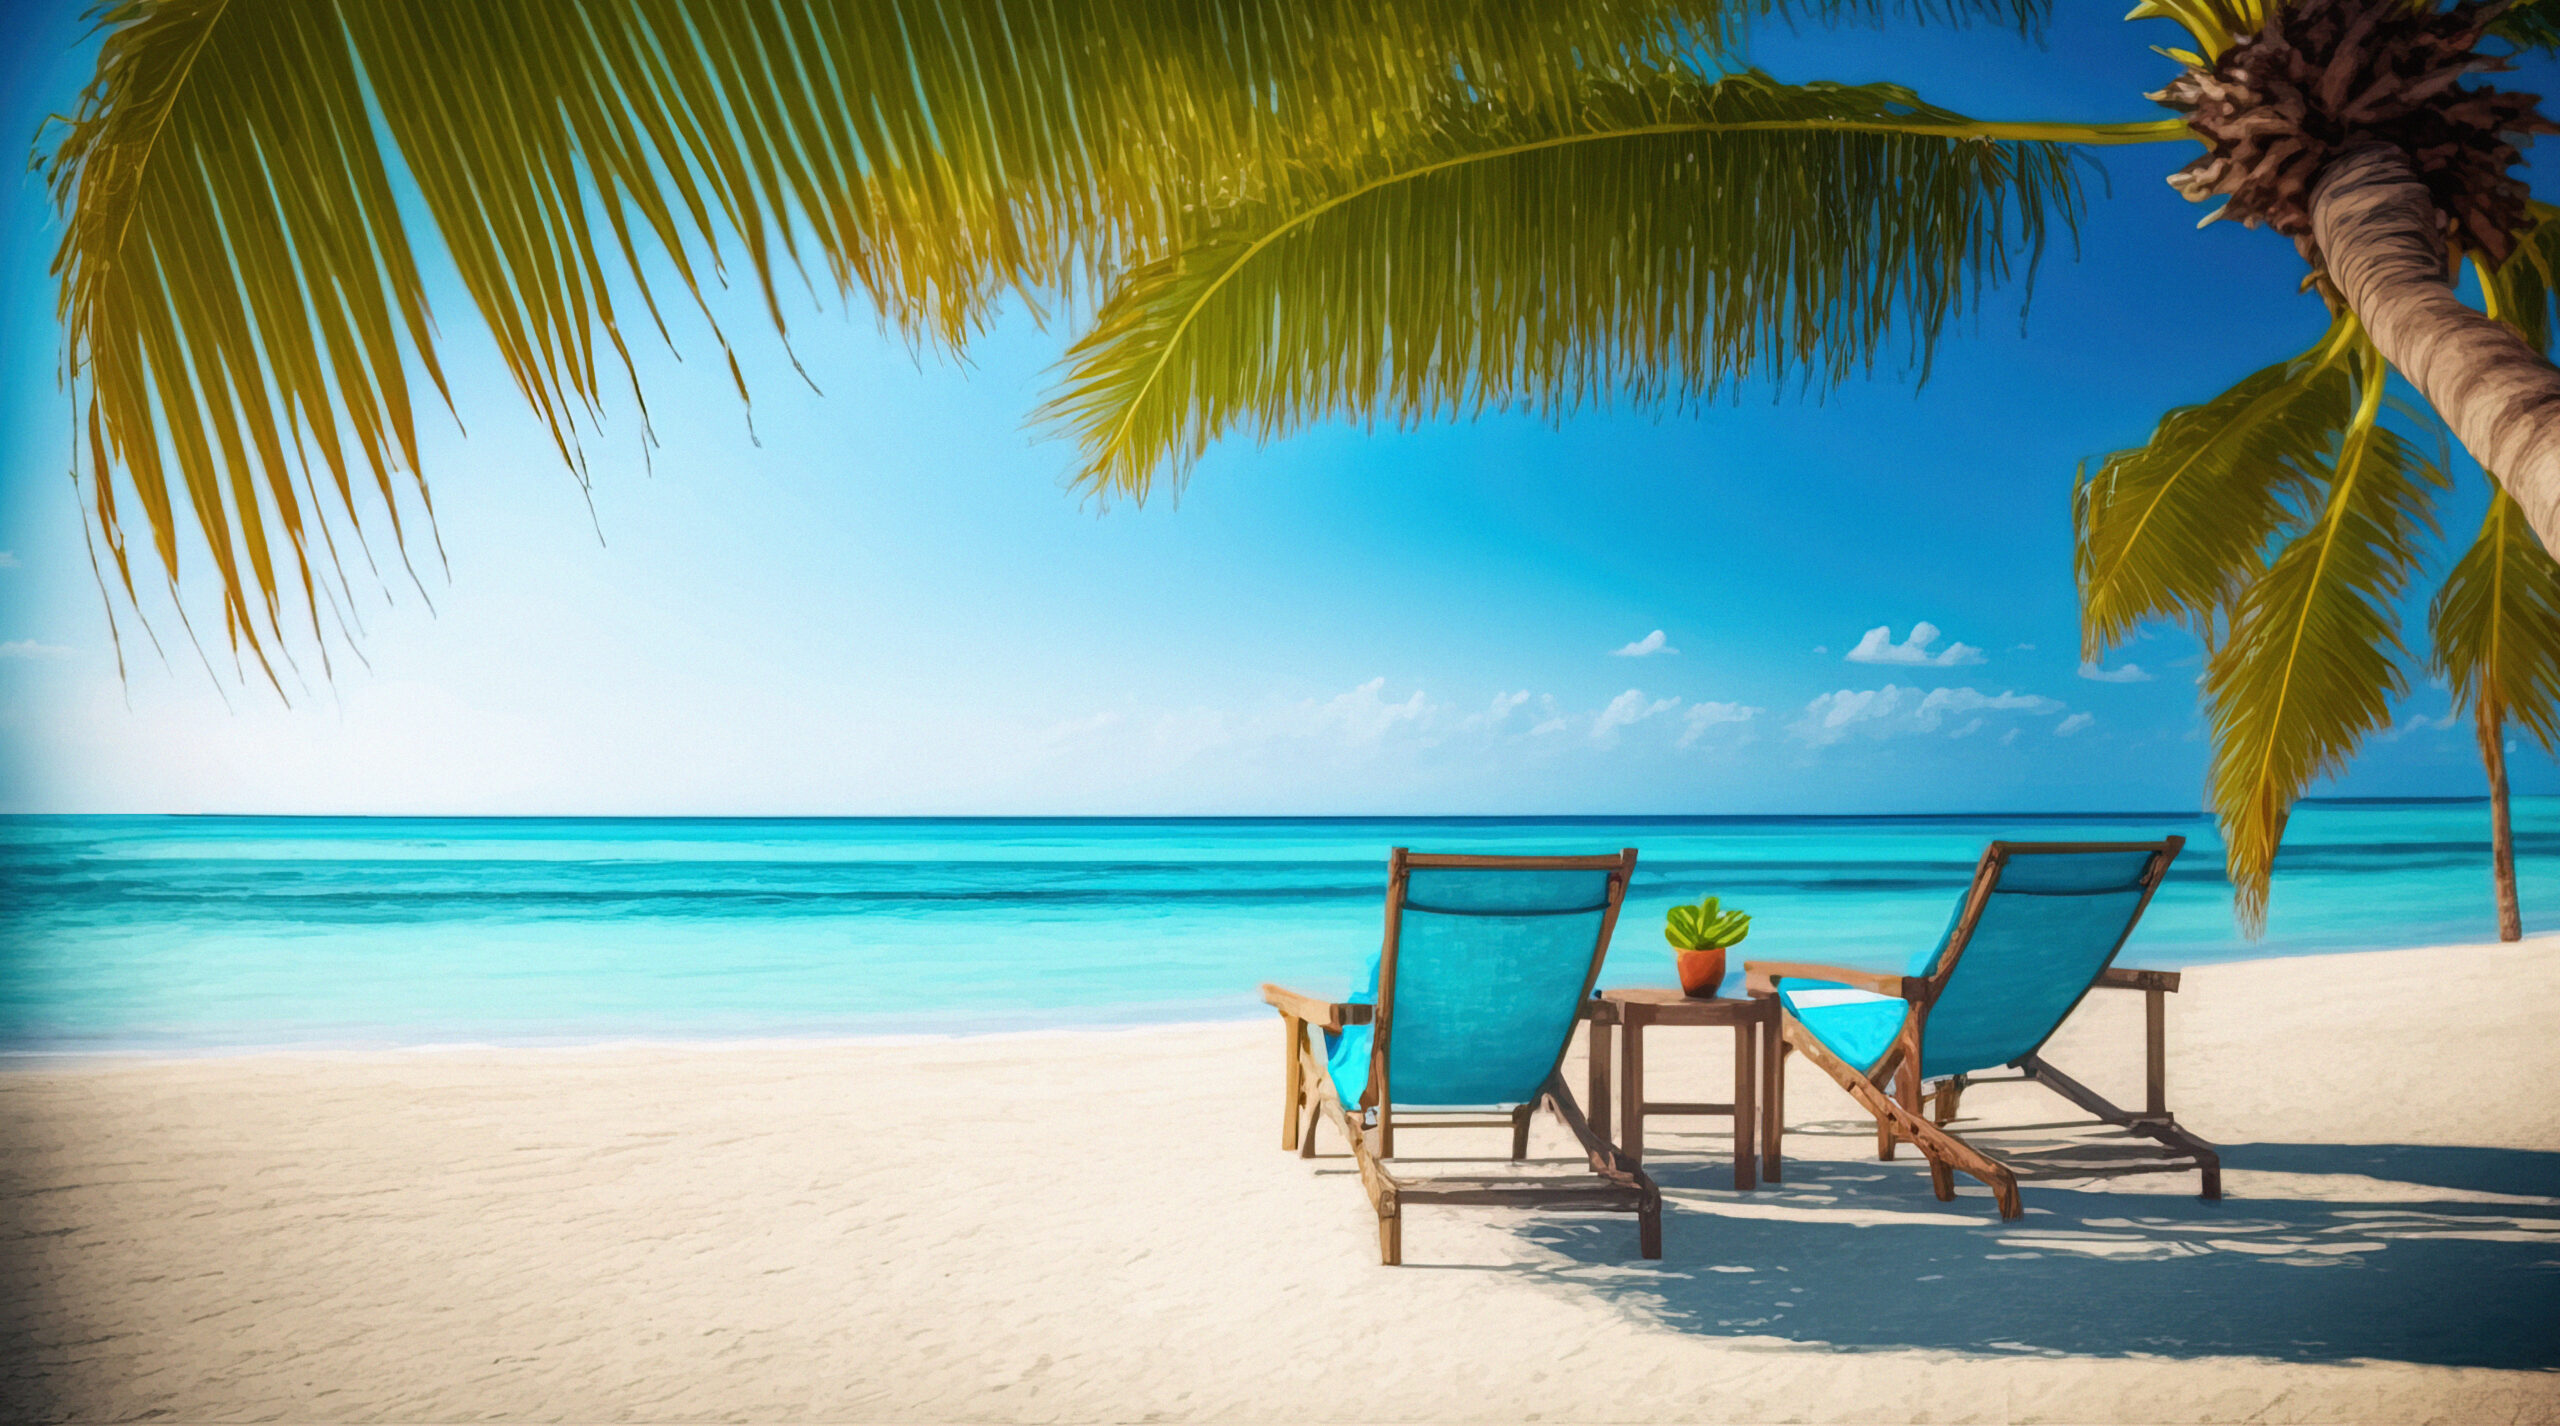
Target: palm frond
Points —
{"points": [[2213, 23], [2524, 291], [1657, 245], [2175, 528], [2312, 658], [2496, 624], [2025, 16], [240, 292], [2530, 24]]}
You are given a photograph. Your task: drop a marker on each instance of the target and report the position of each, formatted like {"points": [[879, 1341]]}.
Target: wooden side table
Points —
{"points": [[1755, 1114]]}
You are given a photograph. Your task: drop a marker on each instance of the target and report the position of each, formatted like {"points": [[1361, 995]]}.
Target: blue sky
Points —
{"points": [[893, 605]]}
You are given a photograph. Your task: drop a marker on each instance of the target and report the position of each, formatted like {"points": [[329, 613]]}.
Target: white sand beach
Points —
{"points": [[1102, 1226]]}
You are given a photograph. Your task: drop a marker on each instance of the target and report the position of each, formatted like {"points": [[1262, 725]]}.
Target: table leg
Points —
{"points": [[1746, 1054], [1599, 1050], [1773, 1098], [1631, 1091]]}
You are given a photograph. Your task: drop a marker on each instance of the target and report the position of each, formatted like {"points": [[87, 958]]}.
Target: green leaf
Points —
{"points": [[2524, 290], [2311, 660], [1659, 244], [244, 319], [2176, 528], [2530, 24], [2496, 625], [1704, 926]]}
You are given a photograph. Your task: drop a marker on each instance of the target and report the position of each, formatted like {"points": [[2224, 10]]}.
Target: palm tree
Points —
{"points": [[2281, 522], [2497, 641], [1289, 210]]}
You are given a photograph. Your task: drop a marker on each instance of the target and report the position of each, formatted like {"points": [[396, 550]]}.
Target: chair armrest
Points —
{"points": [[1323, 1014], [2124, 978], [1762, 977]]}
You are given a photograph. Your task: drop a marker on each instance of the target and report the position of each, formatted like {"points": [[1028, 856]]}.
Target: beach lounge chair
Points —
{"points": [[2038, 930], [1470, 1004]]}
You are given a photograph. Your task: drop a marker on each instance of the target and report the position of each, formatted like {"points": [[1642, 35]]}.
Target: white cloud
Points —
{"points": [[1822, 648], [1878, 647], [2419, 724], [1830, 718], [8, 559], [1943, 701], [1625, 711], [2008, 737], [30, 649], [1497, 713], [1893, 711], [1645, 647], [1075, 729], [2022, 648], [1703, 716], [2130, 673], [1364, 715], [2073, 724]]}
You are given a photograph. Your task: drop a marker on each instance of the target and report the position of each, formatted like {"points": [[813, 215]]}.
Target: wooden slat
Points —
{"points": [[1763, 976], [1669, 1005], [1325, 1014], [2127, 978], [1656, 1106], [1526, 1192], [1455, 859]]}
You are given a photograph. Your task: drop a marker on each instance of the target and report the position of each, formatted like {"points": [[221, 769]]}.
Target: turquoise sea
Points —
{"points": [[192, 934]]}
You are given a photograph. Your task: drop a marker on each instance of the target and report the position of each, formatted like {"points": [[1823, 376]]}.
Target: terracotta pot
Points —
{"points": [[1701, 972]]}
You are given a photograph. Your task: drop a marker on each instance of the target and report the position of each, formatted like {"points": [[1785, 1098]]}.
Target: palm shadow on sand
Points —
{"points": [[2321, 1253]]}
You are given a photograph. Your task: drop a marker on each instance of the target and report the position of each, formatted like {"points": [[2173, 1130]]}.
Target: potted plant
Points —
{"points": [[1700, 934]]}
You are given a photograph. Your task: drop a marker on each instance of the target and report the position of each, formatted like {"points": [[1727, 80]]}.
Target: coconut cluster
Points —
{"points": [[2329, 76]]}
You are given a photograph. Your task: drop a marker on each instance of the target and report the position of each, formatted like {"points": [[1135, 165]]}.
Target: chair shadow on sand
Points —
{"points": [[2322, 1253]]}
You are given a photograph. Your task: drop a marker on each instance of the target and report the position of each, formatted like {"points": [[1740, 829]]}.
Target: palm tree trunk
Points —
{"points": [[2502, 836], [2376, 228]]}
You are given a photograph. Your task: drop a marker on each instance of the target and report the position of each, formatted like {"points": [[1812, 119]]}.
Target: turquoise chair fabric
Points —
{"points": [[2053, 922], [1490, 967]]}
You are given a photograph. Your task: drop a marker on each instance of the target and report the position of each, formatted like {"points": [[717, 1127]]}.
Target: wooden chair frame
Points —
{"points": [[1892, 1091], [1309, 1096]]}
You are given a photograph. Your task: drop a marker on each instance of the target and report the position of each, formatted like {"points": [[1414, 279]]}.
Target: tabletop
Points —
{"points": [[1669, 1005]]}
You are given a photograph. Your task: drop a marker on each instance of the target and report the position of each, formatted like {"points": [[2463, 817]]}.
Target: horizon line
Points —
{"points": [[2156, 814]]}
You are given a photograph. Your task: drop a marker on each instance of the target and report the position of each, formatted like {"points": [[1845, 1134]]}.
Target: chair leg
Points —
{"points": [[1610, 1164], [1520, 1131], [2159, 1127], [1940, 1146], [1380, 1185], [1884, 1127], [1942, 1181], [1307, 1140], [1950, 1094], [1293, 1082]]}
